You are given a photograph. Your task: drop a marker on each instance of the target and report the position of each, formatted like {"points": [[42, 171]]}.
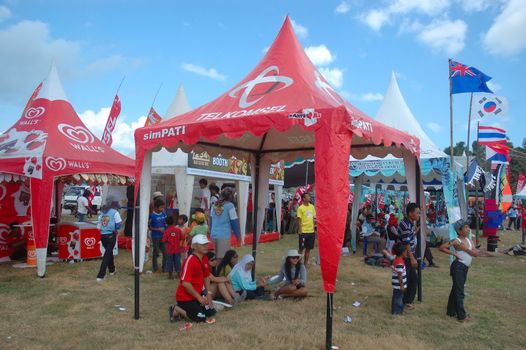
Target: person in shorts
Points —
{"points": [[306, 215], [193, 294]]}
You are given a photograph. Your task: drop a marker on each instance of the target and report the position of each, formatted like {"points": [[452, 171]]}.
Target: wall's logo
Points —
{"points": [[55, 164], [309, 116], [272, 83], [34, 112], [90, 242], [76, 133]]}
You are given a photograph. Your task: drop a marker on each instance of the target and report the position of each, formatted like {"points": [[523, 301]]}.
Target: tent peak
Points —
{"points": [[52, 87], [179, 104]]}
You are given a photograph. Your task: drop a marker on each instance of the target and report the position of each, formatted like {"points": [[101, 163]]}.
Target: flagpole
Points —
{"points": [[122, 81], [477, 218], [467, 150], [450, 116], [157, 93]]}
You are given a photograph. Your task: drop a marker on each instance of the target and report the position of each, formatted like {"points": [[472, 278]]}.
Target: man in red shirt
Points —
{"points": [[523, 224], [193, 293]]}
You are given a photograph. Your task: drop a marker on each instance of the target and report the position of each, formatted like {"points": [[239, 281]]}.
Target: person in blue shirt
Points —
{"points": [[224, 221], [242, 281], [157, 225], [109, 224]]}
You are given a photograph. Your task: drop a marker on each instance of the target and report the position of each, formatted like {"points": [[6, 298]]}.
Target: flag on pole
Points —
{"points": [[490, 135], [467, 79], [153, 117], [112, 121], [300, 191], [497, 154], [520, 182], [503, 194], [489, 106]]}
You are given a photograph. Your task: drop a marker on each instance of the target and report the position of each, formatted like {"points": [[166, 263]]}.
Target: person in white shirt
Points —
{"points": [[204, 198], [464, 251], [83, 206]]}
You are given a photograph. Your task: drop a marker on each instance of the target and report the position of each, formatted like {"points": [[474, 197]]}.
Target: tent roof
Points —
{"points": [[284, 92], [179, 106], [395, 112], [49, 139]]}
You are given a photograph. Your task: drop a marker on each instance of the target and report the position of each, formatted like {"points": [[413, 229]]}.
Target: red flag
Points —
{"points": [[33, 97], [520, 182], [300, 191], [153, 117], [112, 121]]}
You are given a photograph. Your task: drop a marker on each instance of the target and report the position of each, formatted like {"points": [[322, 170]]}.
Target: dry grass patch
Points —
{"points": [[69, 310]]}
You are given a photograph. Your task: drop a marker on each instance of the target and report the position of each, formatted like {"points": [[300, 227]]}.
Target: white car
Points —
{"points": [[69, 200]]}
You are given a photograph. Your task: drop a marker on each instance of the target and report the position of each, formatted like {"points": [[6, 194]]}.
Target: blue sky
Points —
{"points": [[209, 46]]}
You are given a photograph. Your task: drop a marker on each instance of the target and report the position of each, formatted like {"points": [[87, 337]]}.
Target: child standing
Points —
{"points": [[181, 223], [173, 240], [398, 279], [200, 228], [463, 253], [157, 225]]}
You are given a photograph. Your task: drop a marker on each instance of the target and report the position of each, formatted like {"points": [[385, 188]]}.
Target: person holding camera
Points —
{"points": [[294, 274]]}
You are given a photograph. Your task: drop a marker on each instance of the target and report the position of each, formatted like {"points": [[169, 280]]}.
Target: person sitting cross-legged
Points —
{"points": [[241, 279], [294, 275]]}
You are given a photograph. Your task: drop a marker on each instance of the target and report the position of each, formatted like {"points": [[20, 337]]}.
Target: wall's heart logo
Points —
{"points": [[76, 133], [90, 242], [55, 164], [34, 112]]}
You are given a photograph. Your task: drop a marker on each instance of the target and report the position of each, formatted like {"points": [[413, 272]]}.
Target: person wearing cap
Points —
{"points": [[156, 195], [193, 294], [109, 224], [294, 275], [200, 227], [464, 251]]}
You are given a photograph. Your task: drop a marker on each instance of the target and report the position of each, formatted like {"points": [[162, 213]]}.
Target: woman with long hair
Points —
{"points": [[221, 284], [294, 275], [227, 263]]}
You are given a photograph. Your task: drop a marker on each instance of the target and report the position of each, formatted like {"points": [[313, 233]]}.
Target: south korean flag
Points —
{"points": [[485, 105]]}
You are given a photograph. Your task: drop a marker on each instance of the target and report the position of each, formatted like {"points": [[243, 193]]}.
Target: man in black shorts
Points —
{"points": [[307, 237]]}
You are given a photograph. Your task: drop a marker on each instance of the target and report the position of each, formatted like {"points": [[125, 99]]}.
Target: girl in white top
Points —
{"points": [[463, 252]]}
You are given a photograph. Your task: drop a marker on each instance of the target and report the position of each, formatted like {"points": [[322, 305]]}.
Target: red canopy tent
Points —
{"points": [[283, 109], [50, 141]]}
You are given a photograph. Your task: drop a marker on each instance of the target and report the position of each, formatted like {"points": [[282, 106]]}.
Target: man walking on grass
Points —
{"points": [[307, 236]]}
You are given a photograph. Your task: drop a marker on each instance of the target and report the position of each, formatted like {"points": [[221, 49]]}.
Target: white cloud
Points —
{"points": [[434, 126], [123, 139], [475, 5], [377, 18], [333, 75], [320, 55], [507, 35], [444, 35], [211, 73], [105, 64], [27, 52], [343, 7], [371, 97], [5, 13], [495, 87], [301, 31]]}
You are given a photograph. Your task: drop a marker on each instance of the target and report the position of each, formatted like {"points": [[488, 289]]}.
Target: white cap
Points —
{"points": [[200, 239], [293, 252]]}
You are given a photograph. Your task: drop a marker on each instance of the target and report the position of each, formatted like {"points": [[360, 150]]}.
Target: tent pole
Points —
{"points": [[328, 326], [419, 242], [306, 172], [137, 263], [255, 213]]}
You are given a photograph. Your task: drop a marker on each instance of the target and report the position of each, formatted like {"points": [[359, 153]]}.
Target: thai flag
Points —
{"points": [[490, 135]]}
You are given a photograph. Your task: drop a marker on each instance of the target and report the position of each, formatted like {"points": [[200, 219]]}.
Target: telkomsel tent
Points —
{"points": [[50, 141], [283, 109]]}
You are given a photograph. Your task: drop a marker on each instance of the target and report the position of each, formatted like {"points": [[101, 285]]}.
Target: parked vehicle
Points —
{"points": [[69, 200]]}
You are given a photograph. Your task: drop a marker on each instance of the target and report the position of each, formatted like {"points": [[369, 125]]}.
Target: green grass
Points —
{"points": [[69, 310]]}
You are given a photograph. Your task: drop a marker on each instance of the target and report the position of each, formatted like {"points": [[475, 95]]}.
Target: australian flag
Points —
{"points": [[467, 79]]}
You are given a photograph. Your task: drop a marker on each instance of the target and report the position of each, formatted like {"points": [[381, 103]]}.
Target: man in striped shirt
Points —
{"points": [[407, 234], [398, 279]]}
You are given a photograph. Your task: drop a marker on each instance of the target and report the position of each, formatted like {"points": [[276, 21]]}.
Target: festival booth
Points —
{"points": [[181, 171], [48, 147], [391, 172], [283, 109]]}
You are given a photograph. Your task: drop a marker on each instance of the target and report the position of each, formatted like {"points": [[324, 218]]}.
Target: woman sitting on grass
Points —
{"points": [[241, 279], [222, 284], [227, 263], [295, 276]]}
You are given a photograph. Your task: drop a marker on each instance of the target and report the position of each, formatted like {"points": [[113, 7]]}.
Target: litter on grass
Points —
{"points": [[356, 304], [347, 319]]}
